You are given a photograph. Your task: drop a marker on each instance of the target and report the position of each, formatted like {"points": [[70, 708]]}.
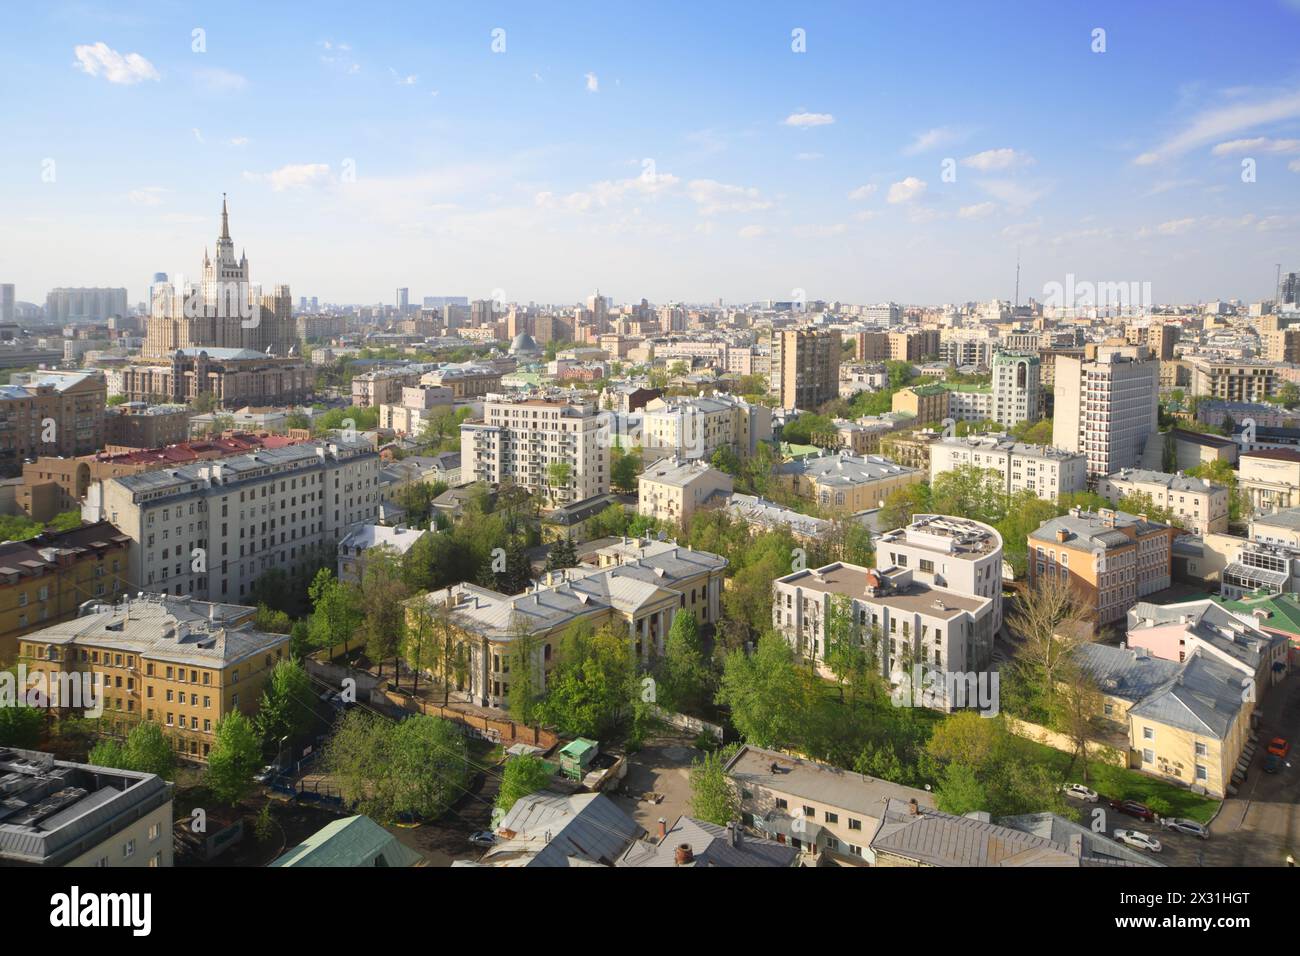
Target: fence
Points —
{"points": [[502, 731], [1098, 751], [686, 722]]}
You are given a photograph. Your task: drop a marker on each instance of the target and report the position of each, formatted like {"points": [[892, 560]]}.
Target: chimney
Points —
{"points": [[734, 834], [663, 829], [1062, 535], [683, 855], [913, 807]]}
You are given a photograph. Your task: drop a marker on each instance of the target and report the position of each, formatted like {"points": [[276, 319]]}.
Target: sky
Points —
{"points": [[537, 152]]}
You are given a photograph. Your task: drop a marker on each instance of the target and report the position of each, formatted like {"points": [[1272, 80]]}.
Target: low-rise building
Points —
{"points": [[673, 490], [64, 814], [763, 515], [1270, 479], [360, 541], [1199, 505], [182, 664], [844, 482], [1110, 559], [1047, 472], [817, 809], [697, 427]]}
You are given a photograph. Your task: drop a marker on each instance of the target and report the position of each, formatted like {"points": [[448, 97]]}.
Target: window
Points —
{"points": [[809, 811], [1200, 750], [832, 817], [1148, 733], [128, 849], [1148, 756], [781, 804]]}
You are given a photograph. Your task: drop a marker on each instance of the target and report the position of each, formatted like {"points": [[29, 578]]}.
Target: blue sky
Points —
{"points": [[674, 151]]}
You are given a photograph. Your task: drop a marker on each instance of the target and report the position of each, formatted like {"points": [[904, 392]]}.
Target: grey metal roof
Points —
{"points": [[1204, 698], [562, 830], [710, 846], [1128, 674], [1098, 849], [934, 838]]}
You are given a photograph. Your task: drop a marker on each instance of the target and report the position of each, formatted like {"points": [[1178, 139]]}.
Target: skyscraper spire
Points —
{"points": [[225, 220]]}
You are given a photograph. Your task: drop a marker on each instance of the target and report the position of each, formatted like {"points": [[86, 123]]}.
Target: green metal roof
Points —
{"points": [[576, 748], [352, 841], [1283, 610]]}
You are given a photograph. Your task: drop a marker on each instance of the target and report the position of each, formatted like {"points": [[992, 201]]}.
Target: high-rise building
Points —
{"points": [[805, 367], [1289, 292], [1016, 384], [403, 301], [7, 308], [1106, 408], [93, 305], [224, 310]]}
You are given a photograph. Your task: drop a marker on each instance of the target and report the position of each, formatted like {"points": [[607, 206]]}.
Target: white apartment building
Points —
{"points": [[1016, 382], [1047, 472], [416, 406], [934, 599], [697, 427], [970, 404], [211, 529], [1201, 505], [1106, 409], [519, 438]]}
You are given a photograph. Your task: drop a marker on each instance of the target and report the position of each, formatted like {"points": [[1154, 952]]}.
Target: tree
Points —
{"points": [[713, 796], [235, 756], [1077, 701], [683, 675], [286, 707], [1052, 624], [427, 767], [523, 775], [624, 469], [845, 654], [336, 611], [558, 475], [969, 491], [562, 555], [522, 660], [902, 503], [383, 618], [769, 696], [148, 750], [592, 685]]}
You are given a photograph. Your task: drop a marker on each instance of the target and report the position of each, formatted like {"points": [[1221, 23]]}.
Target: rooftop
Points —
{"points": [[947, 534]]}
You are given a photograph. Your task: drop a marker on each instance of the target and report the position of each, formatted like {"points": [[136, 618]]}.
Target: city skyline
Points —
{"points": [[571, 151]]}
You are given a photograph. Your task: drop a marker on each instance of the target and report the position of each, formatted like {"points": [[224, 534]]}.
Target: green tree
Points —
{"points": [[624, 469], [285, 710], [522, 776], [427, 767], [684, 678], [562, 555], [592, 685], [713, 796], [383, 617], [235, 756], [902, 503], [524, 665], [769, 695], [336, 611]]}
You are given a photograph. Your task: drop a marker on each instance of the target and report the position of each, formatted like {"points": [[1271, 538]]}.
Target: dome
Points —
{"points": [[523, 343]]}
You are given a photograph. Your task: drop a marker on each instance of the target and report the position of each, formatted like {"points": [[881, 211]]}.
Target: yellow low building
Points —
{"points": [[183, 664], [843, 482]]}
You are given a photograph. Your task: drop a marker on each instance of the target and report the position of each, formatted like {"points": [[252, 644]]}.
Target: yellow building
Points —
{"points": [[180, 663], [929, 403], [843, 482], [47, 578]]}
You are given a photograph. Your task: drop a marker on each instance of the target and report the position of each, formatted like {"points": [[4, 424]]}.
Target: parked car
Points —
{"points": [[1134, 809], [266, 774], [1190, 827], [1079, 792], [1272, 763], [1279, 746], [1138, 839], [483, 838]]}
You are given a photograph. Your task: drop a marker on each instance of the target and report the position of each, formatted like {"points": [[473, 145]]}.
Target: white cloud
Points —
{"points": [[807, 157], [906, 190], [239, 141], [147, 196], [409, 80], [593, 82], [1012, 192], [1173, 227], [994, 159], [1259, 144], [977, 211], [863, 192], [753, 232], [866, 215], [99, 59], [805, 120], [198, 134], [713, 197], [1294, 165], [609, 192], [293, 176], [1224, 121], [221, 81], [930, 139], [819, 231]]}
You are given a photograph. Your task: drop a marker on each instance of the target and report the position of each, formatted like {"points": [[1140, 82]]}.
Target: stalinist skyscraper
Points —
{"points": [[224, 311]]}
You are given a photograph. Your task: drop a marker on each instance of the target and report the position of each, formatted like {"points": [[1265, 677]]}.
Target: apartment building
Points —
{"points": [[45, 579], [59, 813], [805, 367], [970, 403], [209, 530], [871, 346], [415, 406], [358, 543], [691, 428], [467, 380], [180, 663], [1234, 381], [913, 346], [1016, 385], [673, 490], [843, 482], [50, 413], [147, 426], [1110, 559], [384, 386], [1046, 471], [637, 585], [817, 809], [1107, 409], [910, 448], [1201, 506], [520, 438]]}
